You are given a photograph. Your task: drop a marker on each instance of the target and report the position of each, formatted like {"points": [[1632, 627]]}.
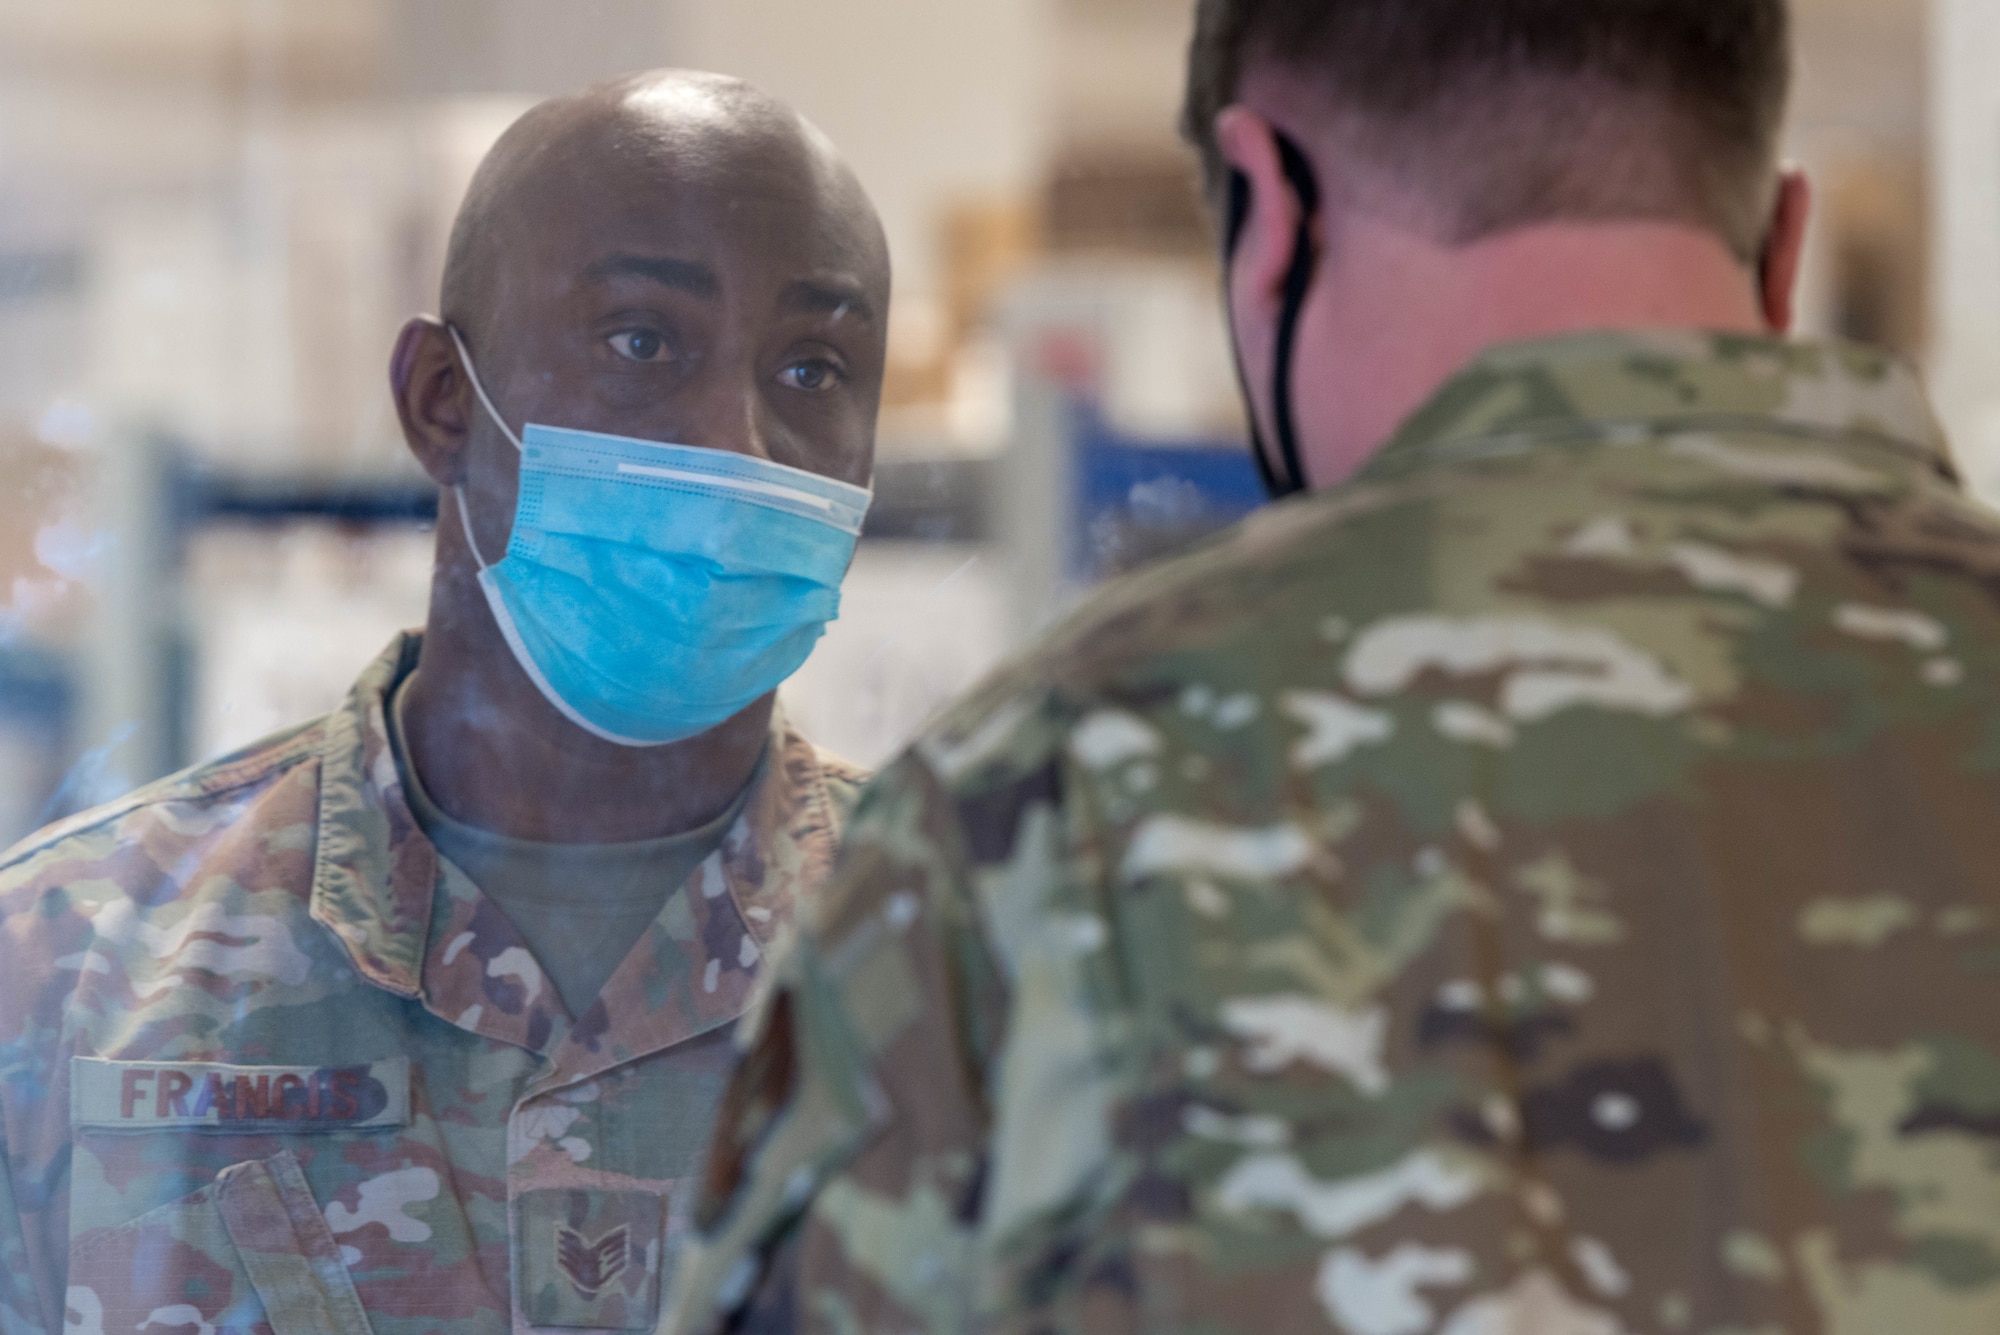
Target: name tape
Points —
{"points": [[205, 1096]]}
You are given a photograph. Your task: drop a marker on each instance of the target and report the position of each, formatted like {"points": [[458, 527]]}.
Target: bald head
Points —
{"points": [[666, 129]]}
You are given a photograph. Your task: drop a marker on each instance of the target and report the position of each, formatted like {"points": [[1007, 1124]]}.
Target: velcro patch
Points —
{"points": [[590, 1260], [205, 1096]]}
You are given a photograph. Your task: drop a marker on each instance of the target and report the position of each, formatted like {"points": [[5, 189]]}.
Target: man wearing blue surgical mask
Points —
{"points": [[416, 1018]]}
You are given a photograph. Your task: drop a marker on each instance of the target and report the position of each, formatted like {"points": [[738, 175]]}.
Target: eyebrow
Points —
{"points": [[828, 299], [689, 276], [698, 279]]}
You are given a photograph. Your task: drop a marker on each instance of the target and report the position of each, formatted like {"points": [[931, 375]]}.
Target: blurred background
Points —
{"points": [[214, 215]]}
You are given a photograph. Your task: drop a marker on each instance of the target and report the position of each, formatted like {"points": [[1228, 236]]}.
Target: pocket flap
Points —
{"points": [[287, 1251]]}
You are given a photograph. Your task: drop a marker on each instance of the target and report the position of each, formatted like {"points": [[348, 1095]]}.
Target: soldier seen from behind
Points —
{"points": [[415, 1019], [1541, 881]]}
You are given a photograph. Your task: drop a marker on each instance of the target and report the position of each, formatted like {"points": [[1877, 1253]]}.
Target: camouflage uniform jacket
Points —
{"points": [[1550, 886], [267, 1063]]}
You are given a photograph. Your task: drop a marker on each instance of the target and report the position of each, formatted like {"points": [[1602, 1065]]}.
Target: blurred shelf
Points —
{"points": [[203, 497], [945, 500], [939, 500]]}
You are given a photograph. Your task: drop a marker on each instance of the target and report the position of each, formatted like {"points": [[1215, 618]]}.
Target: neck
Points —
{"points": [[1396, 315], [497, 756]]}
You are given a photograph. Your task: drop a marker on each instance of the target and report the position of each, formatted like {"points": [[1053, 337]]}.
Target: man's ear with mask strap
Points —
{"points": [[1285, 475]]}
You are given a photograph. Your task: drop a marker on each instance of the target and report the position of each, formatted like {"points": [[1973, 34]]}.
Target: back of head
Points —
{"points": [[1481, 116]]}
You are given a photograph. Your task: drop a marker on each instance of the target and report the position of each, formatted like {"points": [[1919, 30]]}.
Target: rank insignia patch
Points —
{"points": [[590, 1260], [592, 1264]]}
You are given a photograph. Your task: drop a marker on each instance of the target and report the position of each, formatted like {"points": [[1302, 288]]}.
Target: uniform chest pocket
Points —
{"points": [[240, 1243], [248, 1254]]}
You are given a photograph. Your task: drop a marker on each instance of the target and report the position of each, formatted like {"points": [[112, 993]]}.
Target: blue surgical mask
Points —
{"points": [[652, 591]]}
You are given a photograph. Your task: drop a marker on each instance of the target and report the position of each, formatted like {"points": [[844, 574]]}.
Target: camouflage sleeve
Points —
{"points": [[20, 1306], [851, 1143]]}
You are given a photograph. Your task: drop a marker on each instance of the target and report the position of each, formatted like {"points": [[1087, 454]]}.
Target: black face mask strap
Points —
{"points": [[1284, 474]]}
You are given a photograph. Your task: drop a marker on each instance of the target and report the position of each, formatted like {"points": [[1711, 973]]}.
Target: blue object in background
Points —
{"points": [[1138, 501], [37, 725]]}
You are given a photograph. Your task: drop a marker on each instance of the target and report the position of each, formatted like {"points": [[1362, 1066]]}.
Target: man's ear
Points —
{"points": [[1265, 227], [1784, 251], [433, 399]]}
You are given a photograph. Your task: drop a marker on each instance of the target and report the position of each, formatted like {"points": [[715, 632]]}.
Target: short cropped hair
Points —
{"points": [[1504, 113]]}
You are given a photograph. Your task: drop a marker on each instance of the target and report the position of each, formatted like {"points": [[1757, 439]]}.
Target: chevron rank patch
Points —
{"points": [[590, 1260]]}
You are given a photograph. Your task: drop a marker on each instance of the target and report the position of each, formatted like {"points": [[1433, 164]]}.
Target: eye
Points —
{"points": [[813, 375], [639, 345]]}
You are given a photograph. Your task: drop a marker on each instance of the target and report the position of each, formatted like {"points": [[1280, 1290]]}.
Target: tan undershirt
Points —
{"points": [[580, 908]]}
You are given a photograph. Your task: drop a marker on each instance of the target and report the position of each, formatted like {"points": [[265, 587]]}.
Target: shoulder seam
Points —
{"points": [[836, 766], [240, 774], [1474, 448]]}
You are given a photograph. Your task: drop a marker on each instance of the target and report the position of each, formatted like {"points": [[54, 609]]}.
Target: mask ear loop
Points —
{"points": [[1298, 286], [1284, 476], [486, 402]]}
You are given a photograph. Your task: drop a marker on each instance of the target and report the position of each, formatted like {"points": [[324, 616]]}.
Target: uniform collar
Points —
{"points": [[375, 874], [1598, 386], [415, 926]]}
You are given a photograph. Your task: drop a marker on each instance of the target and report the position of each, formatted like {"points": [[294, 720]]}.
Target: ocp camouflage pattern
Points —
{"points": [[268, 1063], [1549, 886]]}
